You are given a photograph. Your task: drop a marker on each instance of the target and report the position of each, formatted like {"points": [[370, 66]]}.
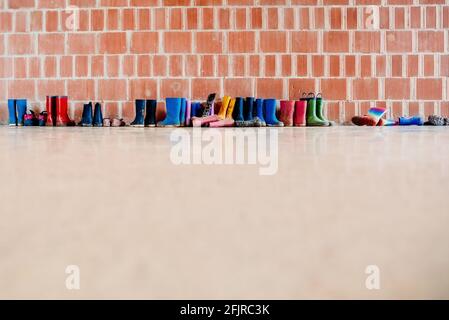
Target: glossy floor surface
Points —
{"points": [[115, 203]]}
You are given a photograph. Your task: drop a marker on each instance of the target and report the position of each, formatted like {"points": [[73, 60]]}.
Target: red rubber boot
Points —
{"points": [[50, 105], [62, 118]]}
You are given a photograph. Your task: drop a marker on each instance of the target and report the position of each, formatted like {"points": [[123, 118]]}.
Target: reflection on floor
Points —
{"points": [[113, 202]]}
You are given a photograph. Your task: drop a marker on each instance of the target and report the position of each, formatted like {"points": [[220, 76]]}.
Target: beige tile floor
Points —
{"points": [[112, 202]]}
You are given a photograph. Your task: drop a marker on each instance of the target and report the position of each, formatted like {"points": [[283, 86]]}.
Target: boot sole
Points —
{"points": [[137, 125]]}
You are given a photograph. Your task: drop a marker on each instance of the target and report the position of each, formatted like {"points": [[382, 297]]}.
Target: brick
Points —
{"points": [[81, 89], [350, 63], [34, 70], [81, 66], [305, 41], [334, 66], [22, 89], [21, 22], [256, 18], [367, 41], [175, 19], [128, 68], [431, 41], [209, 42], [97, 66], [160, 64], [208, 18], [273, 19], [222, 65], [174, 88], [273, 41], [335, 18], [112, 42], [365, 89], [128, 19], [238, 66], [269, 88], [336, 41], [396, 66], [239, 87], [5, 21], [112, 19], [20, 68], [301, 65], [334, 89], [97, 20], [51, 4], [112, 89], [178, 42], [175, 66], [429, 89], [192, 18], [51, 21], [318, 66], [224, 18], [144, 42], [298, 86], [397, 88], [66, 66], [113, 66], [365, 66], [20, 44], [207, 66], [142, 88], [144, 19], [399, 41], [20, 4], [52, 43], [50, 67], [201, 87], [191, 66], [35, 21], [270, 66], [50, 87], [240, 18], [81, 43], [429, 64], [241, 42], [412, 66], [143, 66]]}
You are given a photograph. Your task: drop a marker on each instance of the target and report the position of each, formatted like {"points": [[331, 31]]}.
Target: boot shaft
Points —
{"points": [[150, 113], [98, 116], [238, 109], [286, 112], [12, 112], [248, 109], [86, 118], [299, 118]]}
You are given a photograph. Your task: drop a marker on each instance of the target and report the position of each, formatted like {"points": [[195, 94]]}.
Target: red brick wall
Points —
{"points": [[127, 49]]}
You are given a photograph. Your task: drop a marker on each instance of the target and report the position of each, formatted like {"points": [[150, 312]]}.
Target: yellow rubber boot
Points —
{"points": [[230, 109], [224, 107]]}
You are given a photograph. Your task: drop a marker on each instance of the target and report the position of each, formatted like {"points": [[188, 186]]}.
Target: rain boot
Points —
{"points": [[411, 121], [150, 113], [62, 117], [224, 107], [182, 115], [286, 112], [140, 110], [248, 109], [12, 112], [86, 118], [98, 115], [223, 120], [195, 110], [320, 109], [311, 118], [21, 107], [208, 115], [238, 112], [270, 113], [43, 118], [258, 111], [29, 119], [50, 105], [299, 118], [173, 106]]}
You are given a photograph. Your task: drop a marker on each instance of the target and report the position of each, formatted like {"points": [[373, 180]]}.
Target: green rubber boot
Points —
{"points": [[320, 108], [311, 116]]}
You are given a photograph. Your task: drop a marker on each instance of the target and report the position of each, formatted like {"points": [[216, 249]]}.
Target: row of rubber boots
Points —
{"points": [[239, 112], [54, 115]]}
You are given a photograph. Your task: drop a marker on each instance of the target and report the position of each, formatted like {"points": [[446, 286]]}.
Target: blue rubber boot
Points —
{"points": [[270, 113], [182, 115], [238, 112], [411, 121], [258, 111], [195, 109], [172, 119], [98, 116], [86, 118], [12, 112], [21, 106], [139, 121], [248, 109]]}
